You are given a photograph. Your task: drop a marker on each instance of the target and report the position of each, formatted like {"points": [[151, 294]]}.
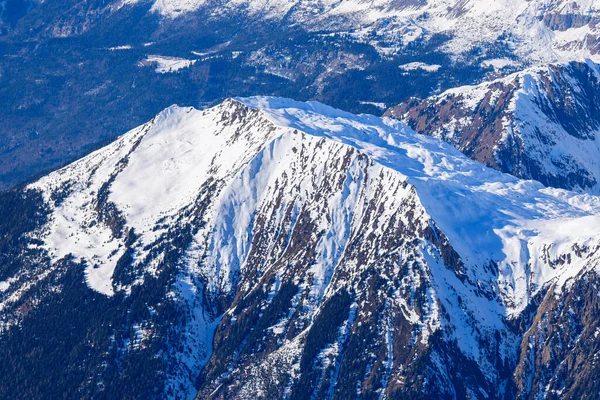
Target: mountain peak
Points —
{"points": [[153, 173], [261, 223]]}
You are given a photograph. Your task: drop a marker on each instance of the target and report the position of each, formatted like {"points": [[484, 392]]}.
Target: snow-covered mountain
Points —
{"points": [[267, 248], [542, 123], [537, 31], [516, 31]]}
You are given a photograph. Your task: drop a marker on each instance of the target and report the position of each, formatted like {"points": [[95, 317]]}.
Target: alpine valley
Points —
{"points": [[266, 248]]}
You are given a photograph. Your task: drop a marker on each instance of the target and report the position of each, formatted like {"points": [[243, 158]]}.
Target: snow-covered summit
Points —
{"points": [[266, 237], [159, 169]]}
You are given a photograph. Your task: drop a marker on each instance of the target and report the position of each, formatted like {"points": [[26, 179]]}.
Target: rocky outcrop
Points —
{"points": [[538, 124]]}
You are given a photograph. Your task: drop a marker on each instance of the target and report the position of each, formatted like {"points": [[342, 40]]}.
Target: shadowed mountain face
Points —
{"points": [[267, 248], [542, 123]]}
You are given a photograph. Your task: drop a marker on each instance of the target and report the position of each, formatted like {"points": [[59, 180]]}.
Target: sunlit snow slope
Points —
{"points": [[309, 249], [159, 169]]}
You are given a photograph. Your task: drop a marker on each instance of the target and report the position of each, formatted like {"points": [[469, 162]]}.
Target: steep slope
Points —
{"points": [[269, 248], [542, 123]]}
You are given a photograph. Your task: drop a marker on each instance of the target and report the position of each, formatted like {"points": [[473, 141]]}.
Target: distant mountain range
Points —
{"points": [[539, 30]]}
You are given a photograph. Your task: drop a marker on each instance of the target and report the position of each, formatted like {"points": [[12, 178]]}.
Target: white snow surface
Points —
{"points": [[498, 63], [487, 216], [155, 173], [420, 65], [166, 64]]}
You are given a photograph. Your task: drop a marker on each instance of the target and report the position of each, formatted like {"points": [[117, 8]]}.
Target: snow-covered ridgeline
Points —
{"points": [[317, 197], [487, 216], [479, 209], [544, 31]]}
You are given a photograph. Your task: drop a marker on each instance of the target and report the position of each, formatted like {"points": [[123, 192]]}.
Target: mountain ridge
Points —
{"points": [[295, 237], [541, 123], [121, 62]]}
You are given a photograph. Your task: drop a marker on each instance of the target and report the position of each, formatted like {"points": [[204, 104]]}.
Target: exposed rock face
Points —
{"points": [[538, 124], [558, 354], [267, 248], [562, 22]]}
